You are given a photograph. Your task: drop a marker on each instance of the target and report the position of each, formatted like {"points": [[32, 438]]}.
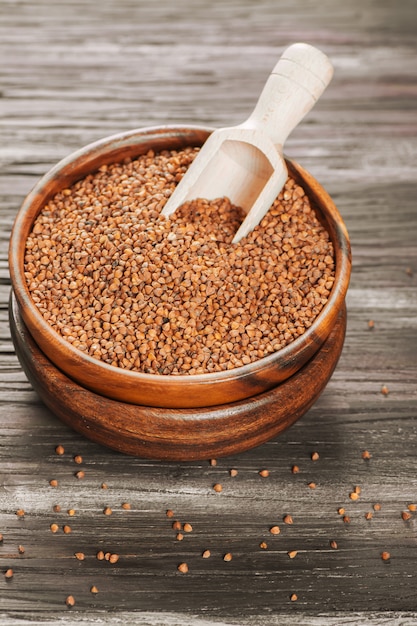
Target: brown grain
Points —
{"points": [[174, 296], [264, 473], [183, 568]]}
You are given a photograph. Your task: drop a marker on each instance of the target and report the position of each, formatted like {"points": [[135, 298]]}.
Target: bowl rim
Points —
{"points": [[65, 172]]}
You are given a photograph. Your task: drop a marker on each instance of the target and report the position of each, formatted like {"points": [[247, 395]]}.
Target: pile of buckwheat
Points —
{"points": [[174, 296]]}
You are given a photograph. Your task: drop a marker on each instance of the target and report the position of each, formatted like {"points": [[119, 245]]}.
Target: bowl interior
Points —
{"points": [[170, 391]]}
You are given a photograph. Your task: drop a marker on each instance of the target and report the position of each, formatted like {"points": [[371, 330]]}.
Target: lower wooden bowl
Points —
{"points": [[177, 434]]}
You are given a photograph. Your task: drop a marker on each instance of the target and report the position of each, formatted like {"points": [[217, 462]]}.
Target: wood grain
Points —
{"points": [[74, 72]]}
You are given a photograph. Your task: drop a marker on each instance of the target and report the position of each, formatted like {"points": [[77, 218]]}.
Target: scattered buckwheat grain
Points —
{"points": [[183, 568]]}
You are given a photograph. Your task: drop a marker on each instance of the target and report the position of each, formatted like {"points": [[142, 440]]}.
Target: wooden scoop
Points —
{"points": [[245, 163]]}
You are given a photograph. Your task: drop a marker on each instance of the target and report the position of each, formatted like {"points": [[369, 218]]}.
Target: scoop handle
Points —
{"points": [[294, 85]]}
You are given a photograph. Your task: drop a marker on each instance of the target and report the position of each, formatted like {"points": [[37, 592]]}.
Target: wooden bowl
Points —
{"points": [[182, 391], [177, 434]]}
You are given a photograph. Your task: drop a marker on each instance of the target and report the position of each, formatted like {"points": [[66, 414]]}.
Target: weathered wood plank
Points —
{"points": [[74, 72]]}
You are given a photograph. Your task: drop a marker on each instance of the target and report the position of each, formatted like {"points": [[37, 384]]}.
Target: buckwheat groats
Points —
{"points": [[174, 296]]}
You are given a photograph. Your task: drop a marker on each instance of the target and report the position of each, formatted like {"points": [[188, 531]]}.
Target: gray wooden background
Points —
{"points": [[75, 71]]}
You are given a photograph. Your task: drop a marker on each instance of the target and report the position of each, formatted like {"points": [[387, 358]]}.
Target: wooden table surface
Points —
{"points": [[76, 71]]}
